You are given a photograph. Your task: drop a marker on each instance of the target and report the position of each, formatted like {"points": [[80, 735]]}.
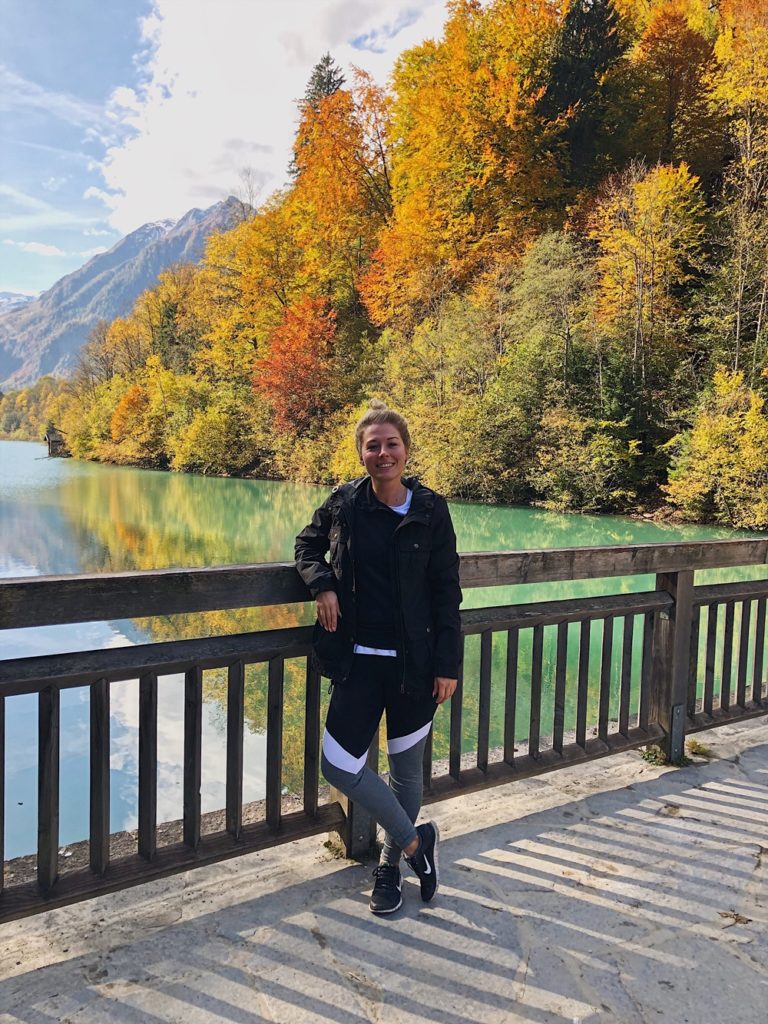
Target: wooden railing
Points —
{"points": [[664, 668]]}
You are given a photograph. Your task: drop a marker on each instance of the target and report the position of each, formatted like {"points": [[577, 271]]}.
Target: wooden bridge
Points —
{"points": [[701, 664]]}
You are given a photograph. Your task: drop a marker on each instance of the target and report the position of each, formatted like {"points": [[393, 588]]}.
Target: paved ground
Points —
{"points": [[615, 892]]}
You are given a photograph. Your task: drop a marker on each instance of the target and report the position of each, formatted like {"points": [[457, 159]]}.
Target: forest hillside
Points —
{"points": [[546, 242]]}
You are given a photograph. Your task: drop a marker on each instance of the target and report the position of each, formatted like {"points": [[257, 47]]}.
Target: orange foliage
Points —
{"points": [[294, 377], [475, 172], [341, 198], [128, 412], [675, 57]]}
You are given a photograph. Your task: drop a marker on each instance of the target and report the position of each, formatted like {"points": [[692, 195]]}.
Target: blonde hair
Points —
{"points": [[378, 412]]}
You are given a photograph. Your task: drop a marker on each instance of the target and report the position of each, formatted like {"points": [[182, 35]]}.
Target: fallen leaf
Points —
{"points": [[731, 915]]}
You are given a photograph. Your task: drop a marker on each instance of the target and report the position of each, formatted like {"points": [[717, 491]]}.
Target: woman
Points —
{"points": [[388, 636]]}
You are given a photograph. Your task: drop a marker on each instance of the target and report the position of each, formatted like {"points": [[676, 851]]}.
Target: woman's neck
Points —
{"points": [[392, 492]]}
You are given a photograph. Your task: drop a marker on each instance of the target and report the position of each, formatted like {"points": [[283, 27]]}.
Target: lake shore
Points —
{"points": [[649, 511]]}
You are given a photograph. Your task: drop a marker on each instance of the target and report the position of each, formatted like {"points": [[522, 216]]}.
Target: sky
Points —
{"points": [[114, 113]]}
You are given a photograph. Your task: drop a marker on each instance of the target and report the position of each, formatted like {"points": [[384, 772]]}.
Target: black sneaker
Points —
{"points": [[387, 896], [424, 860]]}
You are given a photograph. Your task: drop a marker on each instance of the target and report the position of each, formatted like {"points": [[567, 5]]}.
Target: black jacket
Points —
{"points": [[426, 573]]}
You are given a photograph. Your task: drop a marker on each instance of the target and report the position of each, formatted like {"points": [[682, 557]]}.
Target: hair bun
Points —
{"points": [[376, 403]]}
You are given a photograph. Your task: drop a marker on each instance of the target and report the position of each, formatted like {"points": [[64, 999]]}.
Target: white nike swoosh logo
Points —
{"points": [[427, 869]]}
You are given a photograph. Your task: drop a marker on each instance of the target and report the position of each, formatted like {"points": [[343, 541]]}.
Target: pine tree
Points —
{"points": [[588, 44], [326, 79]]}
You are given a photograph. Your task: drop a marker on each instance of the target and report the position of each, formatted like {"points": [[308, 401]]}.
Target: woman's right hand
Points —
{"points": [[328, 612]]}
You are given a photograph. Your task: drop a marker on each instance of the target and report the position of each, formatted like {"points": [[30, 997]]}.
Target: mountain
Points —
{"points": [[45, 334], [13, 300]]}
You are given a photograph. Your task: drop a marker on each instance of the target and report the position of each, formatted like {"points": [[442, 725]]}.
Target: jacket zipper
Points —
{"points": [[407, 518], [350, 552]]}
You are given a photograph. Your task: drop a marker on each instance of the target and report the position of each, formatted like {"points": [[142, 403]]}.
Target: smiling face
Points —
{"points": [[383, 453]]}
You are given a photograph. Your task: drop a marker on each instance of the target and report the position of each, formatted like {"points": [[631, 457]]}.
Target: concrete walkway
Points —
{"points": [[612, 892]]}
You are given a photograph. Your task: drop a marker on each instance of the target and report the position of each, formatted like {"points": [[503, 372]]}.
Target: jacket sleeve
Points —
{"points": [[312, 545], [443, 576]]}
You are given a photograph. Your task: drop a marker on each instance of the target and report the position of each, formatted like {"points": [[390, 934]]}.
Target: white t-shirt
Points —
{"points": [[358, 648]]}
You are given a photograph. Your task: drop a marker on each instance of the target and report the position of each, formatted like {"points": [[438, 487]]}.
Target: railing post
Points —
{"points": [[671, 659], [358, 833]]}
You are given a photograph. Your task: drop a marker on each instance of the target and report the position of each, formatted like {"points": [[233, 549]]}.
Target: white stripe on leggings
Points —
{"points": [[401, 743], [341, 758]]}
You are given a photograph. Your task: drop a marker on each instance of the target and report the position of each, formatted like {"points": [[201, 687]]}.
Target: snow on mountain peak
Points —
{"points": [[163, 226]]}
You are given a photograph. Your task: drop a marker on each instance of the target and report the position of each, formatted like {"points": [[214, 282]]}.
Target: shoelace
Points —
{"points": [[385, 874]]}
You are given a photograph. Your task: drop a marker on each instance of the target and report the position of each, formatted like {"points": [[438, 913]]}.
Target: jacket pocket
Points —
{"points": [[420, 646], [332, 653], [336, 548]]}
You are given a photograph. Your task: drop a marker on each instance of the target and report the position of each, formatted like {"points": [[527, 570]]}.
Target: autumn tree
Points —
{"points": [[175, 329], [475, 172], [294, 375], [648, 227], [96, 360], [25, 413], [341, 197], [739, 295], [673, 57], [251, 275], [583, 463], [127, 419], [221, 438], [720, 466], [326, 78]]}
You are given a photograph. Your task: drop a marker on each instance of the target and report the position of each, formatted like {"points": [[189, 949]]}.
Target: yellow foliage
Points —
{"points": [[741, 83], [345, 462], [254, 273], [474, 173], [648, 227], [720, 469]]}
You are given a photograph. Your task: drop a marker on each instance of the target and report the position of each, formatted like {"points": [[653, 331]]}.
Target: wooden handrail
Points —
{"points": [[98, 597]]}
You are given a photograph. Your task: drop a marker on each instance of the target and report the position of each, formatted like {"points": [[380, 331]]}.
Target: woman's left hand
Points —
{"points": [[443, 688]]}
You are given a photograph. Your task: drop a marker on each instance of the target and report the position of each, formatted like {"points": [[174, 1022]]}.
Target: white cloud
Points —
{"points": [[97, 233], [125, 100], [107, 198], [220, 90], [53, 184], [28, 213], [19, 93], [37, 248], [66, 154], [22, 200]]}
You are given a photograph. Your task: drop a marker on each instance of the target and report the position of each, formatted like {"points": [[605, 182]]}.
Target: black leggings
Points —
{"points": [[373, 688]]}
